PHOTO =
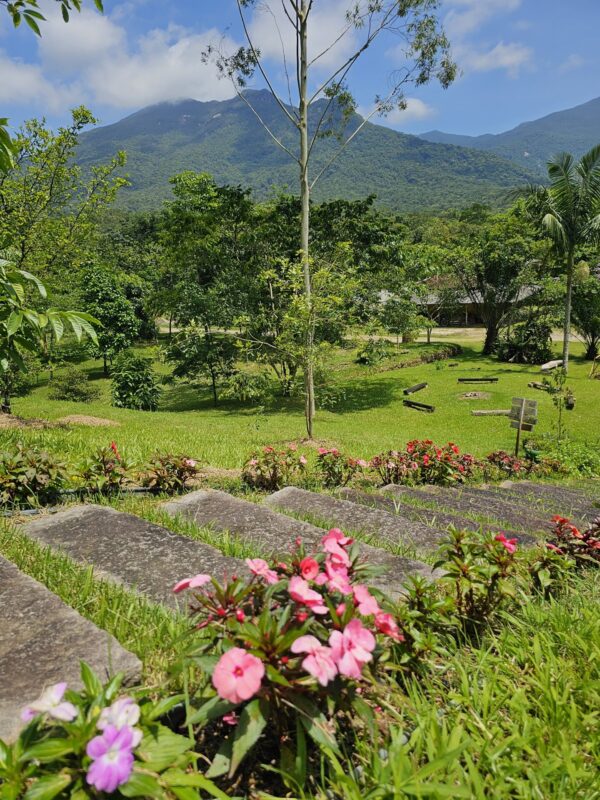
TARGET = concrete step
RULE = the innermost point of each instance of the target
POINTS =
(128, 550)
(42, 642)
(560, 499)
(275, 533)
(446, 499)
(390, 527)
(439, 519)
(512, 502)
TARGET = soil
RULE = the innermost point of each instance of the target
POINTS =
(90, 422)
(475, 396)
(9, 421)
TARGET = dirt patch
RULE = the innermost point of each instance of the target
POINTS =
(90, 422)
(475, 396)
(10, 421)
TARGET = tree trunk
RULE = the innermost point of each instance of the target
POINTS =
(213, 381)
(105, 365)
(6, 407)
(567, 328)
(305, 216)
(591, 351)
(428, 335)
(491, 338)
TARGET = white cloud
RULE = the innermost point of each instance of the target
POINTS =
(25, 84)
(468, 16)
(572, 62)
(415, 110)
(510, 57)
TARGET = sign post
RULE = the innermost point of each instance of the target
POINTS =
(523, 416)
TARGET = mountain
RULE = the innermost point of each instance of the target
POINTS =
(531, 144)
(225, 139)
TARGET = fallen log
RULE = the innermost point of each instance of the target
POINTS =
(478, 380)
(416, 388)
(497, 412)
(419, 406)
(543, 387)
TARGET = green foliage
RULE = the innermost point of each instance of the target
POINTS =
(30, 477)
(73, 384)
(169, 473)
(335, 469)
(134, 383)
(423, 461)
(374, 352)
(271, 469)
(105, 471)
(586, 313)
(196, 352)
(7, 148)
(247, 388)
(527, 342)
(28, 11)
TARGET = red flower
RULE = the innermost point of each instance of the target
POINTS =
(508, 544)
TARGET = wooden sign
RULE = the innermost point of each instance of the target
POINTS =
(523, 416)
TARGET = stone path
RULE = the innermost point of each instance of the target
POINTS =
(533, 513)
(351, 517)
(560, 499)
(453, 500)
(42, 641)
(440, 519)
(128, 550)
(276, 533)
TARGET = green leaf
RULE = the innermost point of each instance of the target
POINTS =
(315, 723)
(221, 761)
(32, 24)
(48, 751)
(163, 707)
(212, 709)
(141, 784)
(14, 322)
(90, 681)
(48, 787)
(160, 748)
(253, 720)
(178, 778)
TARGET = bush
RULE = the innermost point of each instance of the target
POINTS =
(271, 469)
(374, 352)
(247, 388)
(61, 751)
(168, 473)
(424, 462)
(105, 471)
(30, 477)
(73, 384)
(574, 457)
(336, 469)
(528, 343)
(134, 384)
(509, 465)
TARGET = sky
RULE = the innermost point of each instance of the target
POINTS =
(518, 60)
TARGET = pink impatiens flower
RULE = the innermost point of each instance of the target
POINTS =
(123, 713)
(338, 579)
(319, 661)
(260, 568)
(112, 758)
(301, 592)
(238, 675)
(509, 544)
(191, 583)
(309, 568)
(352, 648)
(51, 702)
(385, 623)
(365, 601)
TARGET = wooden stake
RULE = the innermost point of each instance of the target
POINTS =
(521, 415)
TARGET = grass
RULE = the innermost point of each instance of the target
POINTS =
(370, 418)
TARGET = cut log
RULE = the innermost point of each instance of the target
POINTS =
(550, 365)
(477, 380)
(416, 388)
(495, 412)
(419, 406)
(537, 385)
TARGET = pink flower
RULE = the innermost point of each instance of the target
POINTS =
(333, 543)
(322, 451)
(319, 662)
(301, 592)
(189, 462)
(338, 579)
(554, 548)
(509, 544)
(309, 569)
(231, 718)
(341, 609)
(362, 463)
(303, 460)
(112, 759)
(191, 583)
(352, 648)
(123, 713)
(259, 567)
(253, 462)
(365, 601)
(238, 675)
(385, 623)
(51, 702)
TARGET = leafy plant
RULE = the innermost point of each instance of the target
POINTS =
(169, 473)
(73, 384)
(134, 383)
(425, 462)
(105, 471)
(30, 477)
(270, 469)
(336, 469)
(247, 388)
(582, 547)
(99, 741)
(374, 352)
(528, 342)
(508, 464)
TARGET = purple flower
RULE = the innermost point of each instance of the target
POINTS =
(123, 713)
(51, 702)
(112, 758)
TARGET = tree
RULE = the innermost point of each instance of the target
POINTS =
(586, 313)
(197, 352)
(400, 316)
(426, 56)
(103, 297)
(22, 328)
(569, 212)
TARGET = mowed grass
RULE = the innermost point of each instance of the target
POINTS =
(369, 418)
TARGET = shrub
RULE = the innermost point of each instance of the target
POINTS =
(247, 388)
(528, 343)
(575, 457)
(336, 469)
(61, 751)
(285, 649)
(374, 352)
(134, 383)
(105, 471)
(30, 477)
(271, 469)
(567, 540)
(169, 473)
(509, 465)
(73, 384)
(424, 462)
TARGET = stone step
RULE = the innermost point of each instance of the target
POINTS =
(545, 505)
(560, 498)
(513, 503)
(390, 527)
(128, 550)
(452, 500)
(42, 642)
(439, 519)
(276, 533)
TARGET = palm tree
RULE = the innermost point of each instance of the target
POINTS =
(569, 209)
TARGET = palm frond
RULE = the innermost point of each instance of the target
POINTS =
(556, 230)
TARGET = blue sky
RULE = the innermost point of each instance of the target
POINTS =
(520, 59)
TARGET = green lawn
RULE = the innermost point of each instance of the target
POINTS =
(370, 418)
